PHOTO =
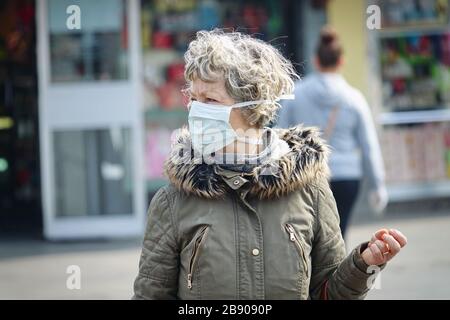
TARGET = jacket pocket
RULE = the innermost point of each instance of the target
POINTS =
(198, 243)
(295, 238)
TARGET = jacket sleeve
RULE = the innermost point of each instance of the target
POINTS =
(159, 261)
(335, 275)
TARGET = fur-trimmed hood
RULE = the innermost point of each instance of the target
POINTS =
(305, 163)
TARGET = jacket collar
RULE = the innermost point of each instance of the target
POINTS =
(303, 164)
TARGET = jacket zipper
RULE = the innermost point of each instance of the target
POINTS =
(298, 244)
(195, 253)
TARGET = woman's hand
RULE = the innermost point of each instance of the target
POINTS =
(383, 246)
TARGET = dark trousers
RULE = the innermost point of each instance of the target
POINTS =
(345, 192)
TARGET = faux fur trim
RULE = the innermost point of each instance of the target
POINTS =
(305, 163)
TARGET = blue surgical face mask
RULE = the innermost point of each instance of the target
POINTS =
(209, 126)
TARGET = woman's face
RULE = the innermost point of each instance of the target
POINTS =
(215, 93)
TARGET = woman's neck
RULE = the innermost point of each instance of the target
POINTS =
(245, 144)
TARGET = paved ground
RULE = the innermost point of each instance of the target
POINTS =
(37, 270)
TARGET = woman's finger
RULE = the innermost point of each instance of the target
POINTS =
(384, 248)
(400, 237)
(394, 246)
(379, 234)
(376, 253)
(373, 239)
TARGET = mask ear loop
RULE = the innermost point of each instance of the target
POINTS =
(188, 105)
(286, 97)
(253, 104)
(248, 103)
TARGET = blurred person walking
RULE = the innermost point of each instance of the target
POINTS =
(324, 99)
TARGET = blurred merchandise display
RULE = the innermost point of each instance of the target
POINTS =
(400, 13)
(416, 153)
(156, 152)
(416, 72)
(167, 28)
(447, 151)
(414, 56)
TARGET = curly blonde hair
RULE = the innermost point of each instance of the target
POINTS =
(251, 68)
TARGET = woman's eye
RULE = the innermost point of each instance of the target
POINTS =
(211, 100)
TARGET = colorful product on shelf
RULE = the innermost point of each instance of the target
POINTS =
(414, 12)
(156, 151)
(448, 162)
(162, 40)
(445, 53)
(170, 93)
(447, 150)
(442, 76)
(434, 150)
(164, 6)
(415, 72)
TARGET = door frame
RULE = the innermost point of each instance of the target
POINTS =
(51, 119)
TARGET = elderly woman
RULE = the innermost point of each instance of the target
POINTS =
(249, 213)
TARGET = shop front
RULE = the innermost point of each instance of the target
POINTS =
(413, 70)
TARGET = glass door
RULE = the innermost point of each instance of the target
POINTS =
(90, 119)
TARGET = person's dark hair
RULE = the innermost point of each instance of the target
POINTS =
(329, 49)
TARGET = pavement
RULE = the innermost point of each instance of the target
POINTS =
(422, 269)
(38, 269)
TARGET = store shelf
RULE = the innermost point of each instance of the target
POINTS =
(418, 191)
(394, 32)
(404, 117)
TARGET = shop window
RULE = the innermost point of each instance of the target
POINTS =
(93, 172)
(95, 52)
